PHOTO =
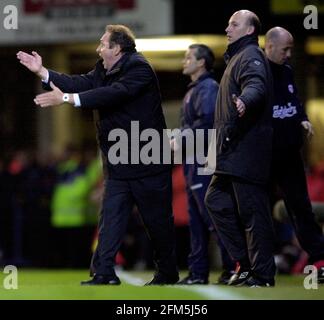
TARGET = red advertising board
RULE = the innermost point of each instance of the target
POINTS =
(37, 6)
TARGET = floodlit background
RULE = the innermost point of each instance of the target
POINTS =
(38, 146)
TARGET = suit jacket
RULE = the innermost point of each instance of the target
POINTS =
(126, 101)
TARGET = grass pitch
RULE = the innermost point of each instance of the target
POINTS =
(65, 285)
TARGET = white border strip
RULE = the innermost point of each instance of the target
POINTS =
(210, 292)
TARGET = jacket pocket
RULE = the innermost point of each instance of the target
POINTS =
(227, 137)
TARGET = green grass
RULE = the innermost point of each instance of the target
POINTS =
(65, 285)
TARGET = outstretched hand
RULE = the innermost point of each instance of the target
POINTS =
(31, 61)
(52, 98)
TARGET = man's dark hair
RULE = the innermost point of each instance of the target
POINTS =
(204, 52)
(254, 21)
(122, 36)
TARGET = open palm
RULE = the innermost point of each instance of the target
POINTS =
(31, 61)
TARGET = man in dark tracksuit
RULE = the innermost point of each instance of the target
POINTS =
(237, 197)
(197, 112)
(289, 121)
(124, 91)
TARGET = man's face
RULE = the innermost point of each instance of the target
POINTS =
(190, 63)
(238, 27)
(279, 50)
(105, 52)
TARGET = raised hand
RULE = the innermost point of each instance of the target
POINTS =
(31, 61)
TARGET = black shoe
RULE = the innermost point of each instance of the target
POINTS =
(239, 277)
(253, 282)
(101, 280)
(320, 270)
(191, 279)
(225, 277)
(160, 279)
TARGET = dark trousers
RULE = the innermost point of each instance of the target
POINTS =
(241, 213)
(201, 226)
(153, 197)
(289, 174)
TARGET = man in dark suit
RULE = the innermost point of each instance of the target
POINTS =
(124, 92)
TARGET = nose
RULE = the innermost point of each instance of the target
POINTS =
(288, 54)
(227, 29)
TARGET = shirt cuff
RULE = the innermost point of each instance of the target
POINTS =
(77, 102)
(45, 80)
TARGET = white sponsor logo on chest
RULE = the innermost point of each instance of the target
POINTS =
(281, 112)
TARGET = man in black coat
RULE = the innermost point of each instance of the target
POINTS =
(237, 197)
(289, 121)
(124, 92)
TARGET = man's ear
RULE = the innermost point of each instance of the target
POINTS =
(117, 49)
(201, 62)
(269, 45)
(250, 30)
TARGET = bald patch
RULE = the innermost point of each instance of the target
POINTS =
(246, 13)
(277, 34)
(278, 45)
(250, 19)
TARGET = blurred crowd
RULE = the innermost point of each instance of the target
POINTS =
(47, 214)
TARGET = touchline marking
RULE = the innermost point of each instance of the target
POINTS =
(213, 293)
(209, 292)
(135, 281)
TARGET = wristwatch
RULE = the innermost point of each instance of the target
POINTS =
(65, 97)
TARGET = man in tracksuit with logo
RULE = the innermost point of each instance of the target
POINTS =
(289, 122)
